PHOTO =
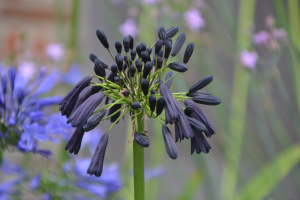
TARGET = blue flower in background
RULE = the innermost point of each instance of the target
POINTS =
(24, 122)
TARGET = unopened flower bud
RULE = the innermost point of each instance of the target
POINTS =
(149, 50)
(94, 120)
(162, 34)
(178, 67)
(168, 48)
(152, 102)
(158, 46)
(139, 66)
(159, 62)
(143, 45)
(133, 54)
(130, 42)
(126, 42)
(114, 69)
(93, 57)
(188, 52)
(195, 124)
(171, 32)
(152, 91)
(169, 143)
(141, 140)
(125, 93)
(136, 105)
(160, 105)
(119, 61)
(145, 86)
(118, 46)
(160, 54)
(189, 110)
(132, 70)
(201, 84)
(99, 68)
(178, 44)
(102, 37)
(147, 69)
(139, 50)
(145, 56)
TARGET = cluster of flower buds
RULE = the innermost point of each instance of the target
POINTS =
(135, 85)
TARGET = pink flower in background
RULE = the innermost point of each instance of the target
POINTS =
(194, 20)
(55, 51)
(248, 59)
(129, 28)
(149, 2)
(262, 37)
(279, 34)
(27, 69)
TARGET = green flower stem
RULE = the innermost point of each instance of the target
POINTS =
(116, 102)
(138, 161)
(111, 55)
(163, 68)
(118, 120)
(108, 105)
(113, 114)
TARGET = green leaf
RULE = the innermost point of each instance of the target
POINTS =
(271, 174)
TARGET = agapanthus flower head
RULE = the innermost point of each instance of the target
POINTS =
(136, 87)
(23, 120)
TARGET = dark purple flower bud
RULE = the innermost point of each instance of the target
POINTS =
(93, 57)
(126, 60)
(172, 106)
(145, 56)
(169, 143)
(168, 48)
(114, 69)
(147, 69)
(139, 50)
(84, 111)
(95, 89)
(196, 125)
(152, 91)
(158, 46)
(149, 50)
(171, 32)
(99, 68)
(188, 52)
(112, 110)
(162, 34)
(160, 105)
(136, 105)
(169, 75)
(188, 111)
(145, 86)
(118, 46)
(74, 143)
(139, 66)
(199, 115)
(110, 77)
(141, 139)
(125, 93)
(159, 62)
(199, 143)
(133, 54)
(94, 120)
(12, 76)
(132, 70)
(170, 40)
(178, 44)
(130, 42)
(106, 100)
(183, 128)
(126, 42)
(143, 45)
(198, 93)
(68, 103)
(102, 37)
(160, 54)
(124, 66)
(178, 67)
(119, 61)
(4, 83)
(96, 165)
(207, 100)
(201, 84)
(116, 79)
(84, 94)
(152, 102)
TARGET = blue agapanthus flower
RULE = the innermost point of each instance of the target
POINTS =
(24, 122)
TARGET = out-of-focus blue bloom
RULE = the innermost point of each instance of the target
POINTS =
(22, 114)
(109, 182)
(35, 182)
(154, 172)
(72, 76)
(46, 196)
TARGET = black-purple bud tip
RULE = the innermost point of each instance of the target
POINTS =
(126, 42)
(118, 46)
(152, 102)
(136, 105)
(178, 44)
(178, 67)
(162, 34)
(114, 69)
(158, 46)
(130, 42)
(201, 84)
(189, 110)
(145, 86)
(133, 54)
(149, 50)
(102, 37)
(188, 52)
(132, 70)
(160, 105)
(141, 139)
(169, 143)
(143, 45)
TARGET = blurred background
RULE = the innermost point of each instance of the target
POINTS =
(251, 47)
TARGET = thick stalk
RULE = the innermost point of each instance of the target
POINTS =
(138, 162)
